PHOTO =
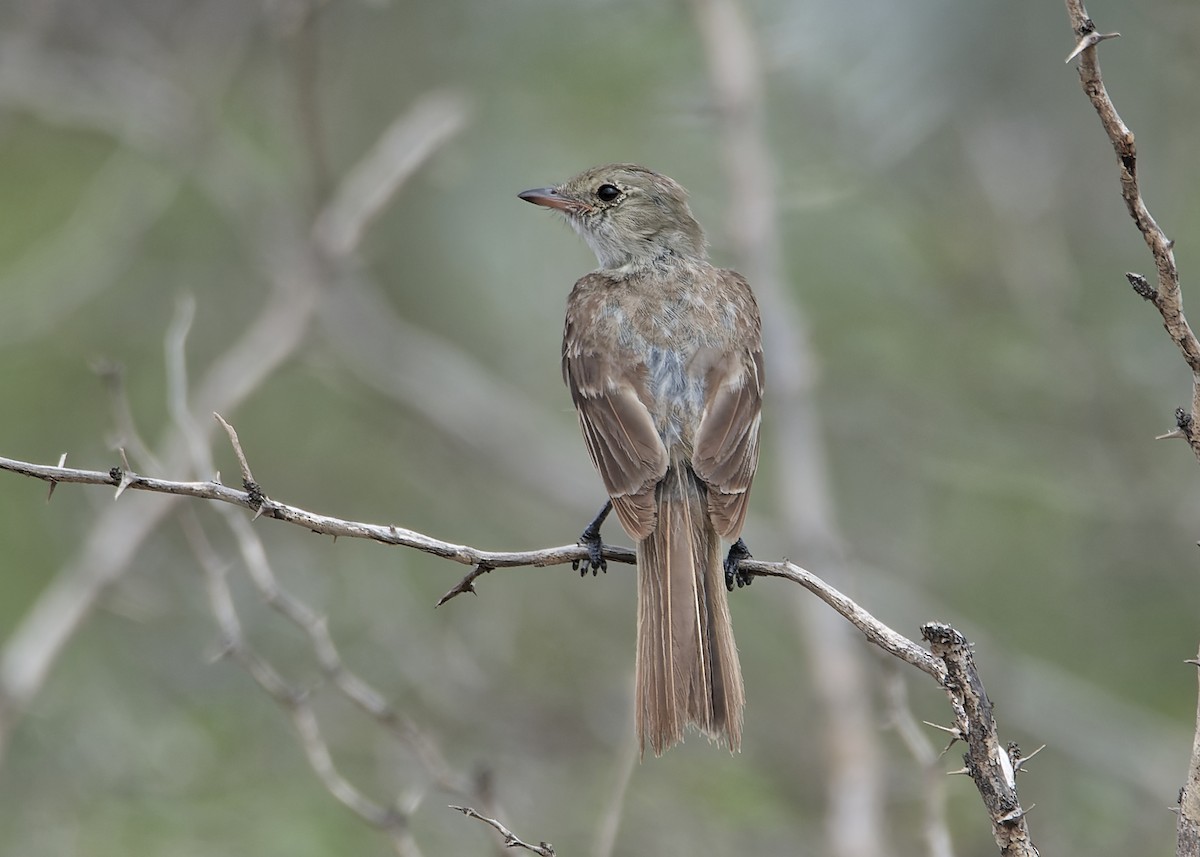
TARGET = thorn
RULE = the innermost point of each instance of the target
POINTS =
(127, 476)
(1193, 662)
(62, 462)
(953, 730)
(1172, 435)
(1019, 761)
(1016, 815)
(458, 590)
(960, 772)
(1090, 41)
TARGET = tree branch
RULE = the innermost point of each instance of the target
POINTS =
(950, 662)
(264, 506)
(1166, 296)
(1168, 300)
(990, 765)
(876, 632)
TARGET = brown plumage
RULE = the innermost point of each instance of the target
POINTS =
(663, 358)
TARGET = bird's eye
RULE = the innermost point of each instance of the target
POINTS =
(607, 192)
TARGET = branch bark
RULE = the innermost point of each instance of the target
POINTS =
(1165, 296)
(949, 663)
(990, 765)
(1168, 300)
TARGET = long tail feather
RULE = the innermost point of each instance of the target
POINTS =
(687, 663)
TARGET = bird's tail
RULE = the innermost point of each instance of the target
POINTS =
(687, 662)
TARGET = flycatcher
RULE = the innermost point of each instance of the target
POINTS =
(662, 353)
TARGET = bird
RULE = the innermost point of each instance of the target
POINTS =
(662, 354)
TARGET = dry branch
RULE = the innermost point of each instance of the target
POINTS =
(987, 762)
(950, 662)
(255, 500)
(1165, 295)
(1168, 300)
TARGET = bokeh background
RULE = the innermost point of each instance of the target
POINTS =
(979, 416)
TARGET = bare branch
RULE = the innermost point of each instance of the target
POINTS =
(987, 762)
(1168, 300)
(271, 338)
(322, 524)
(855, 822)
(294, 700)
(370, 186)
(1188, 827)
(610, 820)
(875, 631)
(1166, 297)
(933, 821)
(545, 849)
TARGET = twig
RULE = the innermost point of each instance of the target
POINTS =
(986, 761)
(322, 524)
(258, 567)
(1188, 827)
(933, 821)
(368, 188)
(1166, 296)
(875, 631)
(292, 699)
(1168, 300)
(545, 849)
(610, 820)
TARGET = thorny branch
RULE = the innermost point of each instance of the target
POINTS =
(987, 763)
(392, 820)
(1165, 296)
(1167, 299)
(265, 507)
(949, 663)
(480, 560)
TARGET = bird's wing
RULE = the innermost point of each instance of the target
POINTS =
(725, 453)
(617, 427)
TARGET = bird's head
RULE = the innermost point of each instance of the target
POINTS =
(630, 216)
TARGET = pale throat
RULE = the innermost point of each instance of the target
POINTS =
(627, 254)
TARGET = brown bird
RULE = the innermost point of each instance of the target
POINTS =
(663, 356)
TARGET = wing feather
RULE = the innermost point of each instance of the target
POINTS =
(726, 446)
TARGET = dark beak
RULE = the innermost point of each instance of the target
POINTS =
(548, 197)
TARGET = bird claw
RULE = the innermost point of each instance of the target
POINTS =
(590, 538)
(595, 562)
(733, 573)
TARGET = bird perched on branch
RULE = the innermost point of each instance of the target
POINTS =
(663, 356)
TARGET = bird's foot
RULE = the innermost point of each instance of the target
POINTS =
(733, 573)
(590, 538)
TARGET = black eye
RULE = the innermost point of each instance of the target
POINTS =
(608, 192)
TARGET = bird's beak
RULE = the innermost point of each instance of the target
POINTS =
(548, 197)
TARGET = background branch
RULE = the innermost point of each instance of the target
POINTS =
(854, 821)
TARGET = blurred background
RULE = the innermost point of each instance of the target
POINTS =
(963, 396)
